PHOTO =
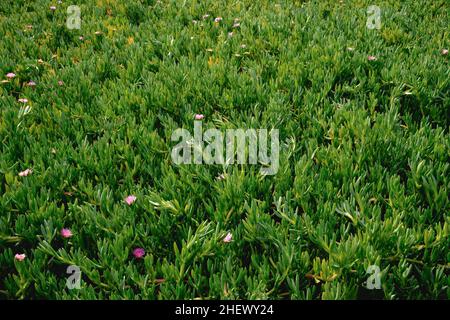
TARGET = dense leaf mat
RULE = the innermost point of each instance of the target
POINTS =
(364, 160)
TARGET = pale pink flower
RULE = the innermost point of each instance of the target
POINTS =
(31, 83)
(199, 116)
(221, 177)
(371, 58)
(139, 253)
(444, 52)
(10, 75)
(60, 82)
(218, 19)
(25, 173)
(23, 100)
(130, 199)
(20, 257)
(81, 38)
(53, 8)
(66, 233)
(228, 238)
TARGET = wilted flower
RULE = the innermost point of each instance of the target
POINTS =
(130, 199)
(371, 58)
(20, 257)
(66, 233)
(29, 26)
(228, 237)
(139, 253)
(199, 116)
(10, 75)
(25, 173)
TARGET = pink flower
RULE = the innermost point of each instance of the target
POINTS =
(218, 19)
(444, 52)
(25, 173)
(130, 199)
(199, 116)
(228, 238)
(60, 82)
(31, 83)
(139, 253)
(23, 100)
(221, 177)
(66, 233)
(371, 58)
(10, 75)
(20, 257)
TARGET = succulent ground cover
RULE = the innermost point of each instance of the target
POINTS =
(86, 177)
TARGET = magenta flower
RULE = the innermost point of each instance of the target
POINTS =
(371, 58)
(25, 173)
(228, 238)
(66, 233)
(444, 52)
(130, 199)
(10, 75)
(20, 257)
(23, 100)
(199, 116)
(139, 253)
